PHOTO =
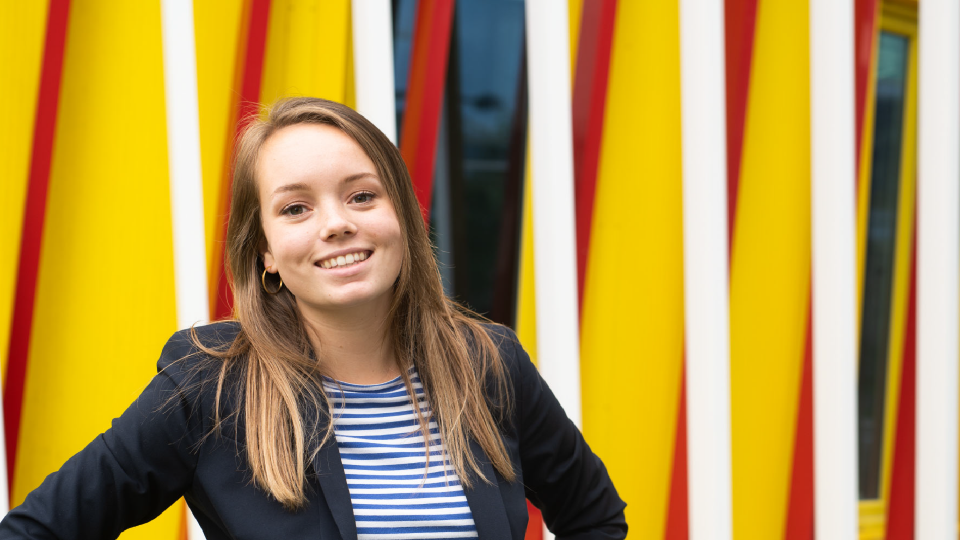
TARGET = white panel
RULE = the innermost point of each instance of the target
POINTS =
(186, 186)
(938, 238)
(833, 183)
(706, 269)
(554, 240)
(373, 64)
(554, 225)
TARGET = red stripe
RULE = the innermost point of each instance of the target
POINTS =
(248, 79)
(678, 519)
(740, 18)
(865, 12)
(800, 516)
(33, 219)
(589, 103)
(900, 507)
(428, 73)
(535, 524)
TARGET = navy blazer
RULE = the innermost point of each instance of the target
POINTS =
(157, 452)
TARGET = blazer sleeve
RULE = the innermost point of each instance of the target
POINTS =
(129, 474)
(561, 475)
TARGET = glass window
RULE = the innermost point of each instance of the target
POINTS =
(881, 240)
(478, 179)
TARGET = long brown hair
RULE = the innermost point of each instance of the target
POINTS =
(275, 375)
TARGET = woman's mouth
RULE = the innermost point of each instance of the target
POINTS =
(342, 261)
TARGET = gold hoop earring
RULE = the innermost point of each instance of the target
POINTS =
(263, 281)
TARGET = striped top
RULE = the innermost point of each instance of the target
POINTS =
(383, 456)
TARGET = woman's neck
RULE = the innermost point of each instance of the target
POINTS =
(354, 345)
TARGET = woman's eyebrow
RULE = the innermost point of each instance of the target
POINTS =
(286, 188)
(358, 176)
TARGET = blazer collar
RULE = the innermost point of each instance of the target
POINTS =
(333, 483)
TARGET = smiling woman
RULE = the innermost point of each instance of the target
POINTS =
(349, 397)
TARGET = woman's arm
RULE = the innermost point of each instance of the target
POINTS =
(562, 476)
(127, 475)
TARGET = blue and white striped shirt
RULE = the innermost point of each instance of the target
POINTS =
(383, 456)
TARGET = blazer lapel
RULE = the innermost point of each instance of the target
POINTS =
(485, 501)
(333, 482)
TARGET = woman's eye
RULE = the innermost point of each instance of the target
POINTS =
(294, 210)
(363, 197)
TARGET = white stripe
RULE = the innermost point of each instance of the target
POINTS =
(938, 172)
(833, 176)
(373, 64)
(183, 141)
(551, 157)
(186, 186)
(706, 268)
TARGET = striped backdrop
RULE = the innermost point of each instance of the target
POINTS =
(693, 238)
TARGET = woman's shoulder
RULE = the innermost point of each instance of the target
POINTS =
(214, 336)
(186, 357)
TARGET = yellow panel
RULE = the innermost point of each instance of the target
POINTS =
(22, 31)
(526, 291)
(306, 49)
(217, 27)
(105, 298)
(575, 8)
(770, 274)
(632, 326)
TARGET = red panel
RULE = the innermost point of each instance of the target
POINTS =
(33, 219)
(252, 47)
(678, 520)
(535, 525)
(800, 517)
(428, 73)
(865, 14)
(740, 23)
(589, 102)
(900, 509)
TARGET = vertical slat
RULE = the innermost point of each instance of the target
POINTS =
(183, 142)
(186, 182)
(425, 90)
(373, 64)
(706, 278)
(551, 160)
(833, 205)
(938, 171)
(32, 232)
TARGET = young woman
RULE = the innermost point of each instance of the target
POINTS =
(350, 398)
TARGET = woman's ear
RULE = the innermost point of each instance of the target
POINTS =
(268, 262)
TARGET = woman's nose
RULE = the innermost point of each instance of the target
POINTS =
(335, 222)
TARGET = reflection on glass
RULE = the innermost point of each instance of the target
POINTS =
(487, 115)
(881, 243)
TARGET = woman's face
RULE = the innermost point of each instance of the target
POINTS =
(331, 232)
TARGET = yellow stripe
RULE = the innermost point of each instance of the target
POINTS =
(770, 275)
(307, 49)
(105, 294)
(22, 31)
(575, 9)
(217, 26)
(632, 325)
(526, 291)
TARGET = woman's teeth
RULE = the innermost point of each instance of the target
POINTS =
(344, 260)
